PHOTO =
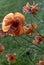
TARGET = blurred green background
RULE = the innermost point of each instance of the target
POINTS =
(24, 43)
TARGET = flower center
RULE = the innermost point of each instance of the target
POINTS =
(12, 58)
(15, 24)
(30, 8)
(40, 39)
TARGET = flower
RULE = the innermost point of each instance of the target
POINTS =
(2, 48)
(31, 29)
(38, 38)
(33, 9)
(13, 24)
(11, 58)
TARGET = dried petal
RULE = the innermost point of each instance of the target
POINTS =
(2, 48)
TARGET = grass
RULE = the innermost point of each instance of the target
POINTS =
(22, 44)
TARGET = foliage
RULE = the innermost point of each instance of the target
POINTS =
(24, 43)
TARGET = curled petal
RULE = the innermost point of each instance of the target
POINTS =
(7, 22)
(20, 17)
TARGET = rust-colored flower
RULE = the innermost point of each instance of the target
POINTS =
(31, 29)
(11, 58)
(33, 9)
(38, 39)
(2, 48)
(2, 34)
(13, 24)
(40, 63)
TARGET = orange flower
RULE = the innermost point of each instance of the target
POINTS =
(40, 63)
(2, 48)
(11, 58)
(13, 24)
(2, 34)
(33, 9)
(31, 29)
(38, 39)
